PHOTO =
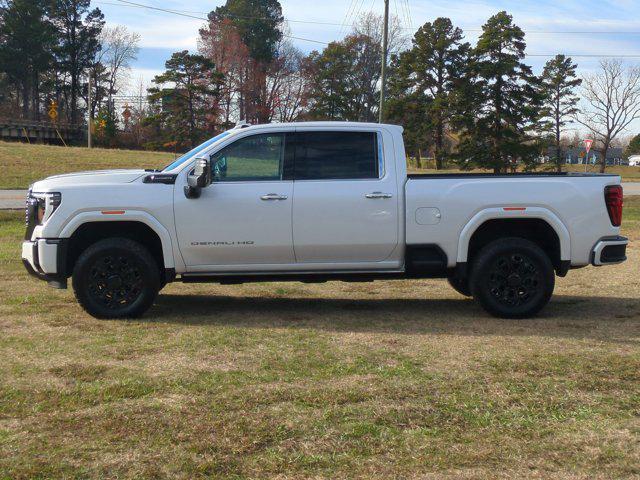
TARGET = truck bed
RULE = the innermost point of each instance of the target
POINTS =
(444, 210)
(418, 176)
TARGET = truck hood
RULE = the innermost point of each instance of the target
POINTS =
(97, 177)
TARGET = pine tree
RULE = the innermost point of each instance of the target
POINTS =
(408, 107)
(634, 146)
(78, 32)
(498, 106)
(560, 101)
(344, 78)
(27, 39)
(183, 107)
(434, 65)
(258, 24)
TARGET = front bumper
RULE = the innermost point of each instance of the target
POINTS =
(609, 251)
(46, 259)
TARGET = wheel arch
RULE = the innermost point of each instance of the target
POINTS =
(537, 224)
(88, 227)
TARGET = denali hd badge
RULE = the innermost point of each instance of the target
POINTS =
(221, 244)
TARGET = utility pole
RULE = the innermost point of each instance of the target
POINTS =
(89, 111)
(383, 73)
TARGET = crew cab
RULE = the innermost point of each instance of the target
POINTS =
(314, 202)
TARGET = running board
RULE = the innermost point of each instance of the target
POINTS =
(231, 278)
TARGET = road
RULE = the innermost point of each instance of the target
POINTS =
(14, 199)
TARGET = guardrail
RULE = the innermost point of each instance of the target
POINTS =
(32, 130)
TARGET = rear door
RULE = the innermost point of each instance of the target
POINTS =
(345, 209)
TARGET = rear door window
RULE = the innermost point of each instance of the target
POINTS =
(336, 155)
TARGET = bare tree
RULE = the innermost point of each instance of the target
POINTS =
(611, 103)
(286, 84)
(119, 49)
(371, 25)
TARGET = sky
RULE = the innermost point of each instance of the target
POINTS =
(551, 27)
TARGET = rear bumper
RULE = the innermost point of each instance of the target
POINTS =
(46, 260)
(609, 251)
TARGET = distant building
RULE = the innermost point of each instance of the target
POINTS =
(576, 156)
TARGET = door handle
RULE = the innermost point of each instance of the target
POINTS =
(273, 196)
(378, 195)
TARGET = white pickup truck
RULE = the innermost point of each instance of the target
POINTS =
(313, 202)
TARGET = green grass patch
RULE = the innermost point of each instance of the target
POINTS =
(23, 163)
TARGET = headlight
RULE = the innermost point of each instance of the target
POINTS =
(47, 203)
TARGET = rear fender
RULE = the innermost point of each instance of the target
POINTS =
(503, 213)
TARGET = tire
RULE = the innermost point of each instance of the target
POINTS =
(512, 278)
(460, 286)
(116, 278)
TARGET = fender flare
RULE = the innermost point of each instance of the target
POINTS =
(128, 216)
(500, 213)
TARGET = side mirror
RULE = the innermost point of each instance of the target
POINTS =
(200, 178)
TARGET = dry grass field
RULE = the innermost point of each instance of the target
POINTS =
(398, 379)
(23, 164)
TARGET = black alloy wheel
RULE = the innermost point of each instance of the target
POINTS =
(512, 278)
(116, 278)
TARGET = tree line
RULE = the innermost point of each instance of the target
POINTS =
(478, 106)
(48, 52)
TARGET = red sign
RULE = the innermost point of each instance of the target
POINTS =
(587, 144)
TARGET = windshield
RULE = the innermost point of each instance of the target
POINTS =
(193, 152)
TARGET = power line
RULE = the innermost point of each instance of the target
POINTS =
(192, 14)
(578, 55)
(357, 2)
(347, 15)
(176, 12)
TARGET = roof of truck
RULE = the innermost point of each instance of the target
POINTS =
(319, 125)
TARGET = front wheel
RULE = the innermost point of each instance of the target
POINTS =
(116, 278)
(512, 278)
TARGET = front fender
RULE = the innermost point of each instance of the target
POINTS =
(124, 216)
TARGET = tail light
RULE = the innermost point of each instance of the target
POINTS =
(614, 199)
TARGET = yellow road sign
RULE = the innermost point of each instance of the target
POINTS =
(53, 110)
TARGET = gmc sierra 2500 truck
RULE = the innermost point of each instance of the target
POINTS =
(313, 202)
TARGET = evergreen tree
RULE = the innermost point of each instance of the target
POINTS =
(434, 65)
(343, 80)
(27, 39)
(634, 146)
(560, 101)
(408, 107)
(78, 32)
(183, 107)
(258, 22)
(498, 106)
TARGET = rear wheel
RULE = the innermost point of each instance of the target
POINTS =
(512, 278)
(116, 278)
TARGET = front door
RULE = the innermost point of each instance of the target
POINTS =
(244, 217)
